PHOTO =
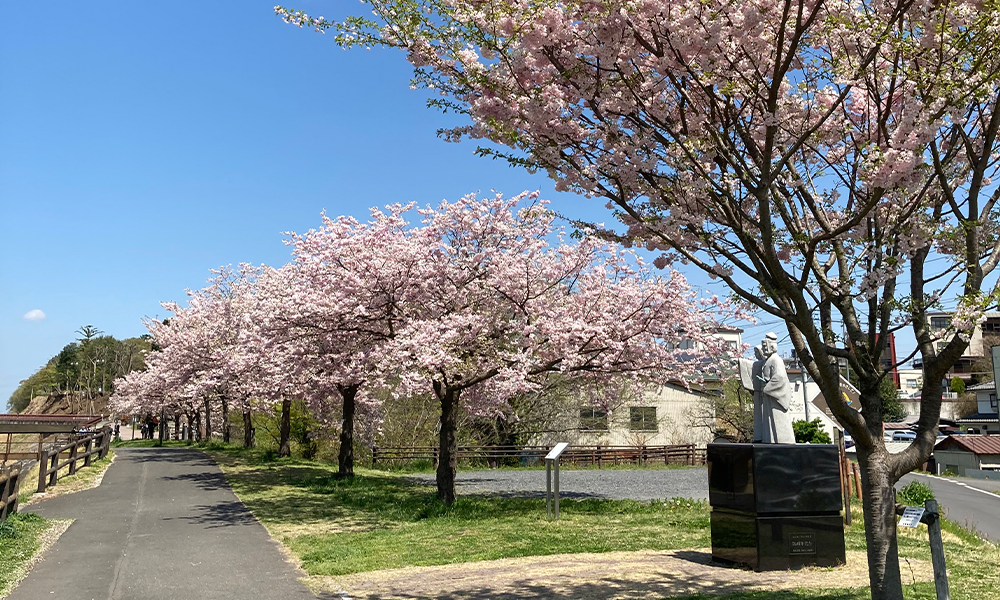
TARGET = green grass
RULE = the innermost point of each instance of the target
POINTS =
(17, 549)
(379, 520)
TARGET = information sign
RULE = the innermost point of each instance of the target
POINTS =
(911, 516)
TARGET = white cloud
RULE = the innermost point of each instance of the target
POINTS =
(34, 315)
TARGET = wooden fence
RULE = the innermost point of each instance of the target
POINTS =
(10, 485)
(597, 455)
(82, 449)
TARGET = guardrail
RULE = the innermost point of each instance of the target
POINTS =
(596, 455)
(10, 485)
(49, 461)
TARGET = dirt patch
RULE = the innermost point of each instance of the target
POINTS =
(611, 575)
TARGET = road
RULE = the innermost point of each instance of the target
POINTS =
(968, 502)
(164, 524)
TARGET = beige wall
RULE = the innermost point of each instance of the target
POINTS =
(949, 410)
(674, 408)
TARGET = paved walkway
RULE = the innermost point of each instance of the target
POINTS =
(163, 525)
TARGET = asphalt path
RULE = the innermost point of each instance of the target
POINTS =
(968, 502)
(163, 524)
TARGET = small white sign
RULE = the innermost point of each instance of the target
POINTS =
(556, 451)
(911, 516)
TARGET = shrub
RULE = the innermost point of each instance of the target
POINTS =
(915, 493)
(810, 432)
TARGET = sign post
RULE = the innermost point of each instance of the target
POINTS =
(552, 491)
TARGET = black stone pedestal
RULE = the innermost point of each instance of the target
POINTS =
(776, 506)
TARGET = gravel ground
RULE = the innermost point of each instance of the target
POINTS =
(635, 484)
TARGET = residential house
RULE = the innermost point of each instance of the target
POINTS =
(969, 456)
(964, 367)
(986, 419)
(663, 415)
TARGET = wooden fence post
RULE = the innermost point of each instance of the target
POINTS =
(374, 456)
(937, 550)
(72, 457)
(857, 479)
(43, 462)
(54, 468)
(87, 448)
(17, 489)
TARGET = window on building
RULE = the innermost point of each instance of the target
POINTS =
(940, 322)
(592, 419)
(912, 383)
(939, 346)
(993, 401)
(642, 418)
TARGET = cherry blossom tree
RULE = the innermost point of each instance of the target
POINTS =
(346, 293)
(832, 161)
(505, 300)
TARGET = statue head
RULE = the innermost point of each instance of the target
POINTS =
(758, 352)
(770, 344)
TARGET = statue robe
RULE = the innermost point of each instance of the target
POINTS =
(750, 376)
(776, 395)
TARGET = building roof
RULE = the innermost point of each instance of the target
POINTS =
(980, 417)
(986, 386)
(976, 444)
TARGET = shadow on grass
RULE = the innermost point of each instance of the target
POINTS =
(691, 585)
(668, 585)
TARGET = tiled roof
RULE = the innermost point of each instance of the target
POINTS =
(986, 386)
(979, 417)
(976, 444)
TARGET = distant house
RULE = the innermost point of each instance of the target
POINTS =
(987, 418)
(663, 415)
(969, 455)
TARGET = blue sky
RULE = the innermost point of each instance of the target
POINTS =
(142, 144)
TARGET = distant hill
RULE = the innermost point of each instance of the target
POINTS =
(66, 404)
(82, 374)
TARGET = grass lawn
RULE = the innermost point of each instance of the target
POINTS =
(20, 537)
(379, 520)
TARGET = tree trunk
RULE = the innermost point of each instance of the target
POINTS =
(197, 425)
(208, 420)
(448, 442)
(247, 430)
(877, 484)
(285, 429)
(190, 431)
(177, 426)
(346, 458)
(225, 420)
